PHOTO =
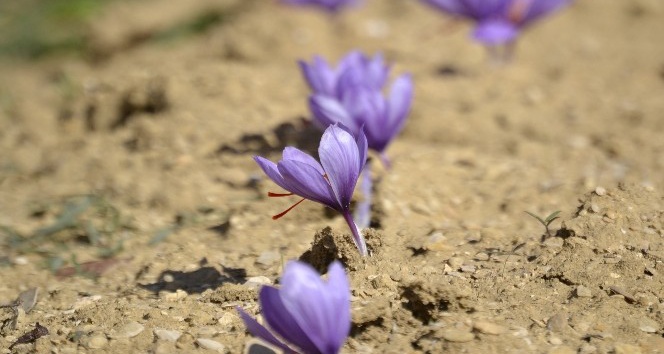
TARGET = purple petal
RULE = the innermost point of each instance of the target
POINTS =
(377, 72)
(338, 291)
(305, 181)
(257, 330)
(295, 154)
(362, 146)
(495, 32)
(340, 157)
(329, 5)
(319, 75)
(371, 108)
(473, 9)
(350, 60)
(317, 306)
(401, 97)
(282, 320)
(270, 169)
(328, 111)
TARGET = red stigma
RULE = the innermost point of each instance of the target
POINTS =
(276, 195)
(275, 217)
(518, 11)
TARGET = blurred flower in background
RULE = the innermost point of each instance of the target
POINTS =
(332, 6)
(352, 94)
(306, 315)
(498, 22)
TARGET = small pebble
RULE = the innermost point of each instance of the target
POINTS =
(554, 340)
(20, 260)
(587, 349)
(96, 341)
(129, 330)
(167, 335)
(211, 345)
(554, 242)
(481, 257)
(85, 302)
(455, 262)
(561, 350)
(28, 299)
(620, 291)
(257, 282)
(468, 268)
(268, 258)
(207, 331)
(582, 291)
(179, 294)
(600, 191)
(648, 325)
(488, 328)
(437, 242)
(557, 322)
(595, 208)
(227, 319)
(457, 335)
(622, 348)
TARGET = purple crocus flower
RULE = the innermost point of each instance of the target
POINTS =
(331, 182)
(306, 314)
(355, 68)
(363, 108)
(332, 6)
(498, 22)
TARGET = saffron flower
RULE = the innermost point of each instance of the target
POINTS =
(498, 22)
(353, 69)
(361, 107)
(307, 314)
(332, 6)
(330, 182)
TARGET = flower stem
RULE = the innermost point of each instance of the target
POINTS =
(357, 235)
(385, 160)
(363, 210)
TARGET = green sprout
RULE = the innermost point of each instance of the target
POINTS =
(546, 221)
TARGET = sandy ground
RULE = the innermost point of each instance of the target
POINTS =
(129, 198)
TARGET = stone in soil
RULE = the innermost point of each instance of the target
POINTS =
(211, 345)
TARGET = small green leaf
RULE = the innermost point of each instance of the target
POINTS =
(551, 217)
(536, 217)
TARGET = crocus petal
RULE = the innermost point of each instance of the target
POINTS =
(495, 32)
(270, 169)
(283, 321)
(340, 157)
(352, 59)
(338, 291)
(360, 70)
(292, 153)
(307, 182)
(473, 9)
(351, 77)
(452, 7)
(372, 110)
(319, 75)
(261, 332)
(328, 111)
(362, 146)
(377, 71)
(313, 305)
(401, 97)
(329, 5)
